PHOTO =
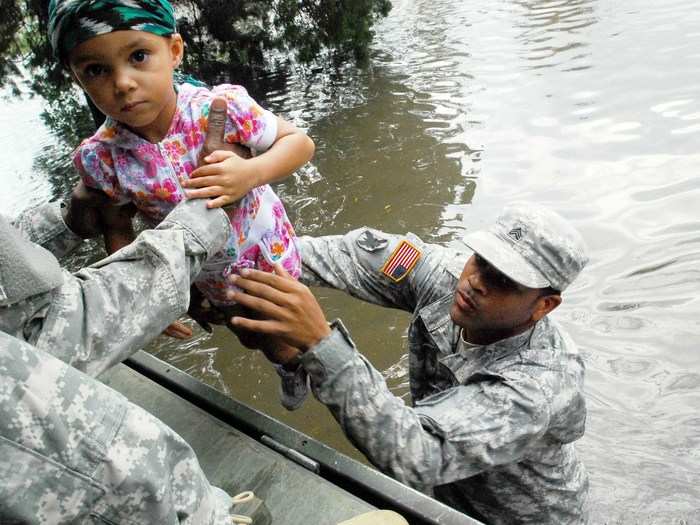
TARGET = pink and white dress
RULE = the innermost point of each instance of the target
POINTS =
(128, 168)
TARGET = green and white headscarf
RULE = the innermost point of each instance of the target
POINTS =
(72, 22)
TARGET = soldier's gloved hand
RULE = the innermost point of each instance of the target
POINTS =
(82, 211)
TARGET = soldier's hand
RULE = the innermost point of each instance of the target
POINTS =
(216, 128)
(203, 312)
(288, 309)
(82, 212)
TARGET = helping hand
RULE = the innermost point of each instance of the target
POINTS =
(206, 183)
(227, 177)
(82, 213)
(216, 129)
(203, 312)
(290, 310)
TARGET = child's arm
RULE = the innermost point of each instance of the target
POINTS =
(229, 177)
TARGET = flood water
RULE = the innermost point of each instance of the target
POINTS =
(590, 107)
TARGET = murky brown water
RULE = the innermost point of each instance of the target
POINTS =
(590, 107)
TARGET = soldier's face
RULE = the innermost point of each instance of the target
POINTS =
(489, 306)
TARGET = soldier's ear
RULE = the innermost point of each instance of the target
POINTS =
(544, 305)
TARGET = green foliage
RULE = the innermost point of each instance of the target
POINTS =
(345, 26)
(232, 36)
(226, 40)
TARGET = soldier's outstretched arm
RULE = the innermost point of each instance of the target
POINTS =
(45, 226)
(452, 435)
(59, 227)
(105, 312)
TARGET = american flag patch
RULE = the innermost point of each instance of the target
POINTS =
(402, 261)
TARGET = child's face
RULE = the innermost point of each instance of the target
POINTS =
(129, 76)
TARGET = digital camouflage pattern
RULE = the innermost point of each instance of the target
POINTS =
(492, 428)
(72, 22)
(26, 268)
(75, 451)
(532, 245)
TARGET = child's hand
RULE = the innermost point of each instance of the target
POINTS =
(178, 330)
(227, 177)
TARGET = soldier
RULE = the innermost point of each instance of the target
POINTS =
(497, 386)
(73, 449)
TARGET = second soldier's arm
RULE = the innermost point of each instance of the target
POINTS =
(105, 312)
(354, 262)
(460, 432)
(45, 226)
(452, 435)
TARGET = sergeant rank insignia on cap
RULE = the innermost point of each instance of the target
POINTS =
(401, 261)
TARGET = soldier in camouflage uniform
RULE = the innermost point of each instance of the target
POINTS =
(497, 386)
(74, 450)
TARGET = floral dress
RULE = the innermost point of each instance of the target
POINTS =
(128, 168)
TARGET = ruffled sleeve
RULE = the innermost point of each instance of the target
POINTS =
(247, 123)
(95, 164)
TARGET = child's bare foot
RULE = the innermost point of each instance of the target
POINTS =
(178, 330)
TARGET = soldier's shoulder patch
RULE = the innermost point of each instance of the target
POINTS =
(372, 240)
(401, 261)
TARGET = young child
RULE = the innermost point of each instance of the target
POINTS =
(123, 53)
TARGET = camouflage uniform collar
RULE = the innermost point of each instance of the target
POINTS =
(514, 342)
(464, 363)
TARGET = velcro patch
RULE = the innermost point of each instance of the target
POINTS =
(401, 261)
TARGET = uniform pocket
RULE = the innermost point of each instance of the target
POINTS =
(37, 489)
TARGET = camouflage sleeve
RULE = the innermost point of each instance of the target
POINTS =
(75, 451)
(449, 436)
(45, 226)
(111, 309)
(354, 263)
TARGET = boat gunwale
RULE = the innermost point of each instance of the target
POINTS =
(356, 478)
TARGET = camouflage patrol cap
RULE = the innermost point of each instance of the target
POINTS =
(532, 245)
